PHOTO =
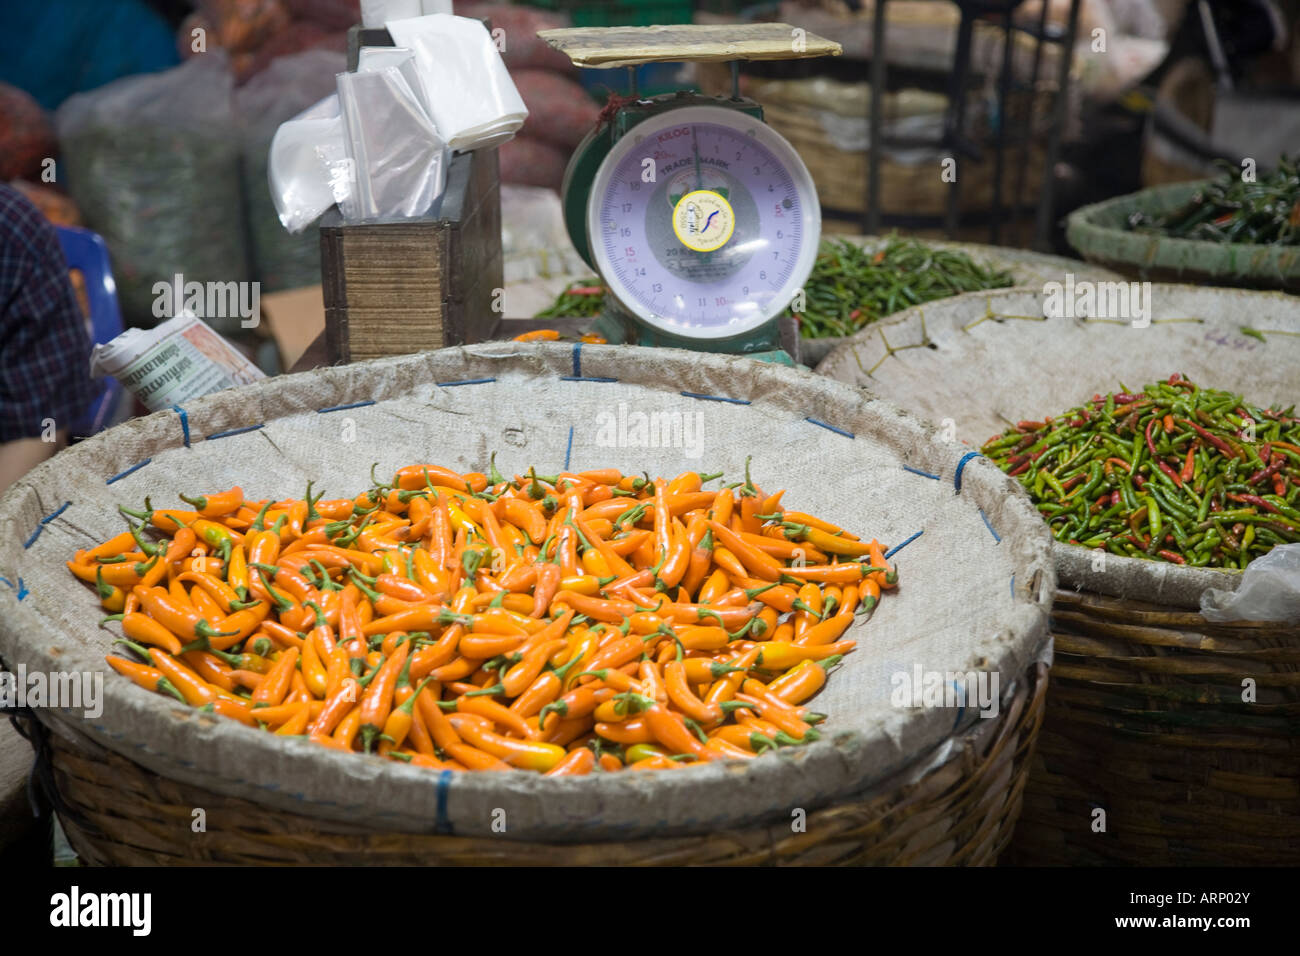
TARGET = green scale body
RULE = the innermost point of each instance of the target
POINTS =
(619, 325)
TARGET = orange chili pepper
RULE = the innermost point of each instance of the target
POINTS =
(579, 762)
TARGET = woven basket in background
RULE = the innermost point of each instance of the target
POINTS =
(1145, 718)
(1099, 233)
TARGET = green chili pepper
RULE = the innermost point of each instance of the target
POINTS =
(1203, 464)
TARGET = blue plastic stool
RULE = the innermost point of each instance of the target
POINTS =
(87, 252)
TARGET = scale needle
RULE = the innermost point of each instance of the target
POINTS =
(699, 173)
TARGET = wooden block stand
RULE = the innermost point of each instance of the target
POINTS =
(392, 288)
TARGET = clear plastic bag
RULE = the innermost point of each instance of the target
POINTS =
(153, 163)
(375, 13)
(1269, 590)
(280, 260)
(308, 168)
(371, 58)
(474, 100)
(397, 155)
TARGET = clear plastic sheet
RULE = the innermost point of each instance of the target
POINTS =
(474, 100)
(397, 155)
(375, 13)
(308, 169)
(1269, 590)
(372, 58)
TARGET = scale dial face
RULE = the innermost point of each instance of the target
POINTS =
(704, 222)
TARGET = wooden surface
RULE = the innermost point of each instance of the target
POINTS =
(629, 46)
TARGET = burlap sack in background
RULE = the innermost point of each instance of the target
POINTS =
(975, 571)
(985, 360)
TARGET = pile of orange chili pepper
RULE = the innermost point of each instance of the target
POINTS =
(560, 624)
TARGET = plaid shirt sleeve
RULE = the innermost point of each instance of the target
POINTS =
(44, 345)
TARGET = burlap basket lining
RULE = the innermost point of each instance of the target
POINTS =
(931, 357)
(863, 464)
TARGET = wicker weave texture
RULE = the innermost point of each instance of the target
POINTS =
(1099, 233)
(961, 812)
(1146, 721)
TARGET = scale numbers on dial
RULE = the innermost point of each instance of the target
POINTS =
(722, 238)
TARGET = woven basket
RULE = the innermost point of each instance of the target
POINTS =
(961, 813)
(1099, 233)
(886, 783)
(1145, 716)
(1145, 720)
(913, 190)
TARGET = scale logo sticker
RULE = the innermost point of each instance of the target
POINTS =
(703, 220)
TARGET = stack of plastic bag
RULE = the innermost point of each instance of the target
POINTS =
(474, 100)
(398, 158)
(380, 146)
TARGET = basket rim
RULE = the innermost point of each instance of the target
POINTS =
(225, 749)
(913, 790)
(1073, 562)
(1213, 260)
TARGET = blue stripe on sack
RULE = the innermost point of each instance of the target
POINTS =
(568, 452)
(717, 398)
(36, 532)
(185, 423)
(586, 378)
(577, 360)
(899, 547)
(918, 471)
(828, 427)
(442, 824)
(341, 408)
(989, 524)
(961, 466)
(54, 514)
(122, 474)
(22, 590)
(465, 381)
(235, 431)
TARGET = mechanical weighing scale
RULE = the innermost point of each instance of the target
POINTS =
(701, 220)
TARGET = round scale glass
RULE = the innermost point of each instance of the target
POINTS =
(704, 222)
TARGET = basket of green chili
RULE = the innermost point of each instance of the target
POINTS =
(1227, 231)
(1162, 449)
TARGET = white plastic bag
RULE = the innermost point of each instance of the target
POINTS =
(309, 169)
(375, 13)
(397, 155)
(473, 100)
(1269, 590)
